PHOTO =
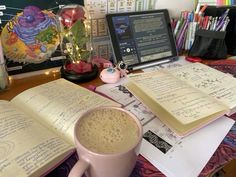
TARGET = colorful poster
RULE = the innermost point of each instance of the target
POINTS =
(29, 34)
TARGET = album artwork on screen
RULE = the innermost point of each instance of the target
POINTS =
(29, 34)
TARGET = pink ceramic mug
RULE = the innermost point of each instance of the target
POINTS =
(113, 161)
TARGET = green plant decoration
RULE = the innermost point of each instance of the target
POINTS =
(75, 40)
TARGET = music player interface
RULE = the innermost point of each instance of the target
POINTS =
(142, 38)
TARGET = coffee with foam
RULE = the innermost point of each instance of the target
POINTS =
(108, 131)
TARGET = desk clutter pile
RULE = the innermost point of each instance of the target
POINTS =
(192, 30)
(144, 168)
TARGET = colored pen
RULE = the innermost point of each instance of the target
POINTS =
(206, 19)
(225, 25)
(214, 25)
(203, 9)
(198, 8)
(209, 23)
(176, 27)
(222, 17)
(221, 24)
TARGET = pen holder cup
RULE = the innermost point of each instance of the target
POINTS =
(209, 45)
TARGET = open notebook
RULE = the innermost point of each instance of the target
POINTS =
(142, 39)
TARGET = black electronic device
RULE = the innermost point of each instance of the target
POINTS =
(142, 39)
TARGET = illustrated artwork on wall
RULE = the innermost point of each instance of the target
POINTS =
(31, 36)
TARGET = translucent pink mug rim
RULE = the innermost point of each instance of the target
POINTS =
(77, 142)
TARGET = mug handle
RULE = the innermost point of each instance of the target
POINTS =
(79, 168)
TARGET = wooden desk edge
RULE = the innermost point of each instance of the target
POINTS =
(18, 85)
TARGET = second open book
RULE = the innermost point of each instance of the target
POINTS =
(186, 98)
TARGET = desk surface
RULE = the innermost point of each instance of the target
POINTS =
(143, 167)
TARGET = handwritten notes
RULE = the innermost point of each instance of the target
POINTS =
(185, 103)
(25, 145)
(215, 83)
(59, 104)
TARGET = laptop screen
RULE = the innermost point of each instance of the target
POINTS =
(143, 38)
